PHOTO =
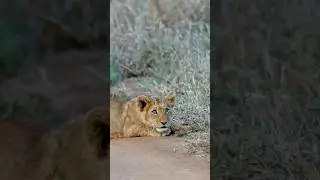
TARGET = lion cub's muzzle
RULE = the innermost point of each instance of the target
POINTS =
(164, 130)
(164, 125)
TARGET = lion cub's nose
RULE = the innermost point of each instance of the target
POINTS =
(163, 123)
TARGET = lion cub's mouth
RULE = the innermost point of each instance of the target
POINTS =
(162, 127)
(164, 130)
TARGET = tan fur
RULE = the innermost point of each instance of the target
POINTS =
(136, 117)
(76, 151)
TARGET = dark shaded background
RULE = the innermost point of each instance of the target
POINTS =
(53, 59)
(266, 74)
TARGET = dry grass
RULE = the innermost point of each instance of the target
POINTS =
(154, 59)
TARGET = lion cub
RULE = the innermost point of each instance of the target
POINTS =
(141, 116)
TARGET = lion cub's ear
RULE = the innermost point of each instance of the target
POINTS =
(169, 99)
(142, 102)
(98, 131)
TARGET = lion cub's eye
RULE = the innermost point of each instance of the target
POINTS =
(154, 112)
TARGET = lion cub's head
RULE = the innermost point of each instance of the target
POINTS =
(153, 111)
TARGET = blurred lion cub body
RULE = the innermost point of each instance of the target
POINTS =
(142, 116)
(76, 151)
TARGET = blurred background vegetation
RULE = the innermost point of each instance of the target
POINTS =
(267, 82)
(51, 53)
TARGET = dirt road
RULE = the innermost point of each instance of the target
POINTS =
(154, 158)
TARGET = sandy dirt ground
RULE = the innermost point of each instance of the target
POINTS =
(155, 158)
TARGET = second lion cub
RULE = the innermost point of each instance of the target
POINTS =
(141, 116)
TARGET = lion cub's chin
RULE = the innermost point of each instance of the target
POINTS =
(163, 131)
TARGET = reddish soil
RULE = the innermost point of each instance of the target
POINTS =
(154, 158)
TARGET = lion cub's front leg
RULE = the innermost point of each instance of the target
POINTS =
(139, 131)
(153, 133)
